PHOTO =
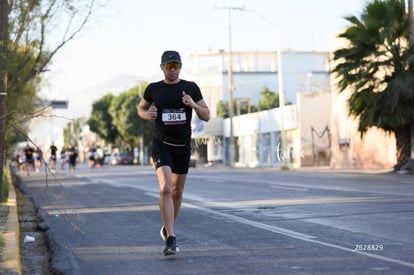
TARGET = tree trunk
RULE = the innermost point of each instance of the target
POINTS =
(403, 140)
(411, 39)
(4, 35)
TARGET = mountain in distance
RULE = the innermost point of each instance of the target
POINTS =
(44, 130)
(80, 104)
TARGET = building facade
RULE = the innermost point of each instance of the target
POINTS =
(258, 136)
(315, 121)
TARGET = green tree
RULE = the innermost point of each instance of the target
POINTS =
(72, 132)
(124, 115)
(23, 102)
(131, 128)
(269, 100)
(115, 119)
(31, 30)
(31, 24)
(375, 67)
(223, 109)
(31, 49)
(101, 121)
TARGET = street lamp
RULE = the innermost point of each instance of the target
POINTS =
(280, 85)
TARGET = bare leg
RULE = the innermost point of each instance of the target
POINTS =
(171, 191)
(166, 203)
(178, 181)
(28, 167)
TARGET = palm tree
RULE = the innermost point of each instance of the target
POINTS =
(376, 68)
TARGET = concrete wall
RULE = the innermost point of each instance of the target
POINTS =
(375, 151)
(314, 115)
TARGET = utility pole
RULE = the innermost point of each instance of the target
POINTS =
(4, 34)
(230, 86)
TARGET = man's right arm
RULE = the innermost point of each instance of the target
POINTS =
(146, 111)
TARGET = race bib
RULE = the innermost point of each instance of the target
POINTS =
(174, 116)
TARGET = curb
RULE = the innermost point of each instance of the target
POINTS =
(11, 257)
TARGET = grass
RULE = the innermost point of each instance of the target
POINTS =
(5, 187)
(4, 210)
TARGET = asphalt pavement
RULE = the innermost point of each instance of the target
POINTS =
(95, 243)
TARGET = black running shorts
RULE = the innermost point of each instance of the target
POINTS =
(173, 155)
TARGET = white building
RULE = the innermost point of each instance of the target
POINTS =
(258, 135)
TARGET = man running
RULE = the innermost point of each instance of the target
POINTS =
(170, 103)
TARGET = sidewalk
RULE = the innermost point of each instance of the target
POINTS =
(11, 263)
(328, 169)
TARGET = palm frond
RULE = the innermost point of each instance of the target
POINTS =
(375, 66)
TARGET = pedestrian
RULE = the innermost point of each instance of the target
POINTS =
(29, 151)
(20, 161)
(73, 155)
(170, 104)
(63, 158)
(92, 157)
(37, 158)
(53, 157)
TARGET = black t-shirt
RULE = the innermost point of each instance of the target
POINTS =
(173, 122)
(29, 153)
(53, 150)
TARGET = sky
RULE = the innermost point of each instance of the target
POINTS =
(127, 37)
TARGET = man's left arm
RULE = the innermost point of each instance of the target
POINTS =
(202, 110)
(200, 107)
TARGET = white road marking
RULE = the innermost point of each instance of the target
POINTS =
(290, 233)
(271, 228)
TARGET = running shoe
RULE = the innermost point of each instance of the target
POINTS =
(170, 246)
(163, 233)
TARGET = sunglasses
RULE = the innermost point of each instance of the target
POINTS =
(175, 65)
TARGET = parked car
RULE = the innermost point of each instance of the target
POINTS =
(118, 159)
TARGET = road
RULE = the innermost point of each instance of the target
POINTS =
(233, 221)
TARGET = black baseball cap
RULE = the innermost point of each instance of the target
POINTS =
(170, 56)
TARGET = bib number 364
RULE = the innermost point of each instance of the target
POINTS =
(174, 116)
